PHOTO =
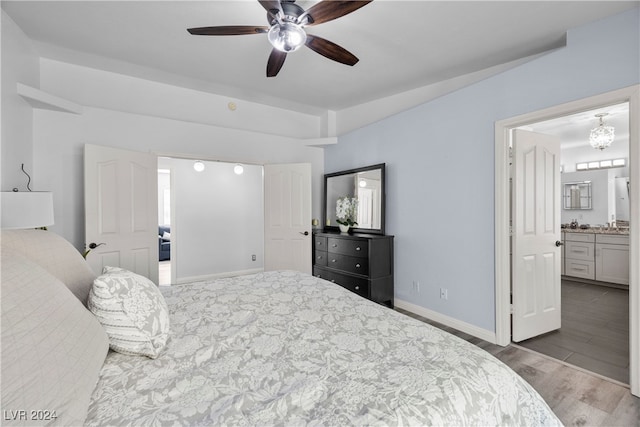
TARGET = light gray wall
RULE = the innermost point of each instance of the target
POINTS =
(219, 220)
(59, 139)
(164, 183)
(124, 112)
(17, 124)
(440, 164)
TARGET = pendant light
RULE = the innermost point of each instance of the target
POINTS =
(602, 136)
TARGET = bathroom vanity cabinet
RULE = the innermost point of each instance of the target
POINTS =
(596, 256)
(612, 258)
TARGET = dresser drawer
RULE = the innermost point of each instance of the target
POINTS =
(354, 284)
(357, 248)
(359, 286)
(579, 250)
(320, 258)
(348, 263)
(320, 243)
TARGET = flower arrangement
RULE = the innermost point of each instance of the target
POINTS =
(346, 211)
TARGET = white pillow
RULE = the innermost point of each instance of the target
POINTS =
(132, 311)
(52, 348)
(56, 255)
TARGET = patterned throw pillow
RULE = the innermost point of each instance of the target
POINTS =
(132, 311)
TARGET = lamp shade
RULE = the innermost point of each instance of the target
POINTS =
(26, 209)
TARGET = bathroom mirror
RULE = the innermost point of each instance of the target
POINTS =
(367, 185)
(577, 195)
(622, 198)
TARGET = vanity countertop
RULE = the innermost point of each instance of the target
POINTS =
(598, 230)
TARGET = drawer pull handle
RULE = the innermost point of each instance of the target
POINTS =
(333, 260)
(333, 281)
(358, 248)
(357, 265)
(319, 257)
(334, 245)
(357, 288)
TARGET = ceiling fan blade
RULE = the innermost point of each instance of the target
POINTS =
(328, 10)
(330, 50)
(276, 59)
(270, 6)
(228, 30)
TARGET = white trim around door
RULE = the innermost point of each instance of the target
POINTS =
(503, 130)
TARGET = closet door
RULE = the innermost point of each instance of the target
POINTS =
(121, 209)
(287, 217)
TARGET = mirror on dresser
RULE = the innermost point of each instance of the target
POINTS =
(367, 185)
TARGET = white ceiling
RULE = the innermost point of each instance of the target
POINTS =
(573, 130)
(402, 45)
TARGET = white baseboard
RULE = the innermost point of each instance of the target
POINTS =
(191, 279)
(465, 327)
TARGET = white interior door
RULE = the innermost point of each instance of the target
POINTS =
(536, 229)
(287, 217)
(121, 209)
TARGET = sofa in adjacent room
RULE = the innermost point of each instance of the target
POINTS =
(164, 242)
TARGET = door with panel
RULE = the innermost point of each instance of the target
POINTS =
(536, 236)
(121, 209)
(287, 217)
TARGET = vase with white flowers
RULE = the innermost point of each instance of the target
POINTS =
(346, 211)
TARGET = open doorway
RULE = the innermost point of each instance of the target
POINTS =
(211, 217)
(164, 227)
(503, 269)
(594, 212)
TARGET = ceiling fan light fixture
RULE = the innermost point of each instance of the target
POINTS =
(287, 36)
(602, 136)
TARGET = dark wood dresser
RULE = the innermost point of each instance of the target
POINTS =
(362, 263)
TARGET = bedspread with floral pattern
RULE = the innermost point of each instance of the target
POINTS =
(286, 348)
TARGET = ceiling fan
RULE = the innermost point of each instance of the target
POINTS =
(286, 30)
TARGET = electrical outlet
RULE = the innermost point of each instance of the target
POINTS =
(443, 294)
(253, 257)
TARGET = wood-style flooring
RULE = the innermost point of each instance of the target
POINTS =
(578, 398)
(594, 333)
(164, 276)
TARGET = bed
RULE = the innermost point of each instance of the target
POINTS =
(274, 348)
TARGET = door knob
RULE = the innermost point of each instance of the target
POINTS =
(559, 243)
(95, 245)
(306, 233)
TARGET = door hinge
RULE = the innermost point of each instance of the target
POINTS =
(511, 308)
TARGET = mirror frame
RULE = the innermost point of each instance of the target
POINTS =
(566, 197)
(381, 167)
